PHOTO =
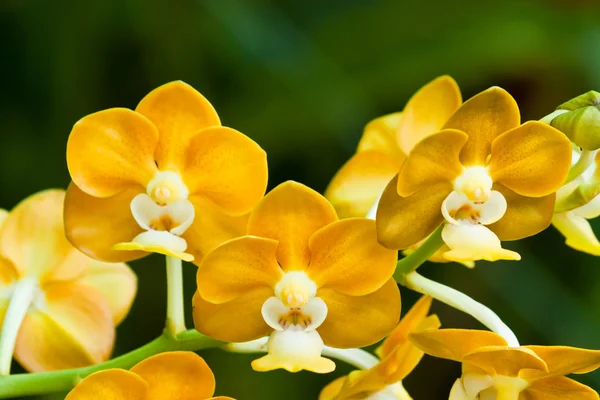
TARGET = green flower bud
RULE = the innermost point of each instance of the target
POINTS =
(580, 120)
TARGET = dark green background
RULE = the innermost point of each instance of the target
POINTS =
(302, 78)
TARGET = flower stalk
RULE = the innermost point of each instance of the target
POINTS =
(462, 302)
(585, 160)
(415, 259)
(175, 323)
(20, 302)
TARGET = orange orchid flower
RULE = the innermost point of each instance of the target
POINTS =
(492, 370)
(165, 178)
(398, 358)
(386, 142)
(302, 276)
(70, 303)
(179, 375)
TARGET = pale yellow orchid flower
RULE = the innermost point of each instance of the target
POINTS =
(484, 175)
(178, 375)
(165, 178)
(398, 358)
(494, 371)
(58, 307)
(301, 276)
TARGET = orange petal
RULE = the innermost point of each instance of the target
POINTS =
(74, 328)
(380, 135)
(332, 389)
(177, 375)
(211, 227)
(427, 111)
(358, 321)
(238, 267)
(117, 283)
(346, 257)
(454, 344)
(433, 160)
(33, 238)
(404, 221)
(525, 216)
(239, 320)
(111, 151)
(506, 361)
(110, 384)
(290, 214)
(559, 388)
(226, 167)
(178, 111)
(360, 182)
(95, 225)
(532, 160)
(483, 117)
(409, 323)
(564, 360)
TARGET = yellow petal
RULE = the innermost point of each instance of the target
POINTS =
(404, 221)
(346, 257)
(360, 182)
(110, 384)
(3, 215)
(469, 242)
(564, 360)
(95, 225)
(178, 111)
(177, 375)
(239, 320)
(116, 282)
(532, 160)
(238, 267)
(290, 214)
(409, 323)
(559, 388)
(577, 232)
(506, 361)
(332, 389)
(33, 238)
(525, 216)
(381, 134)
(271, 362)
(433, 160)
(153, 248)
(483, 117)
(454, 344)
(358, 321)
(74, 328)
(427, 111)
(211, 228)
(227, 168)
(112, 151)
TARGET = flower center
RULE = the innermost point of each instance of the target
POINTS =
(295, 289)
(167, 187)
(497, 387)
(475, 183)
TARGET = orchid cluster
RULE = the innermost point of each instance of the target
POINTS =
(298, 277)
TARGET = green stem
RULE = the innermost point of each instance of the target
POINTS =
(415, 259)
(20, 302)
(175, 323)
(12, 386)
(585, 160)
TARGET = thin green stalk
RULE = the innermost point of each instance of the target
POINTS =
(12, 386)
(585, 160)
(415, 259)
(175, 323)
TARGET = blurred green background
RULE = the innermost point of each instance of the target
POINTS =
(302, 78)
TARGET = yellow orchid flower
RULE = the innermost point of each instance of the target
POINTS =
(302, 276)
(576, 203)
(385, 143)
(178, 375)
(494, 371)
(165, 178)
(398, 358)
(488, 177)
(58, 307)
